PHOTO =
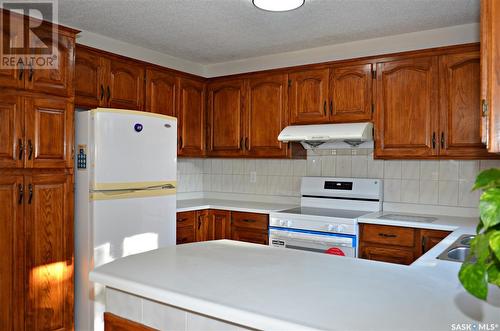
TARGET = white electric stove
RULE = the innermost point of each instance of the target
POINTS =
(327, 219)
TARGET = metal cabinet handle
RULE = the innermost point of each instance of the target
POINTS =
(423, 244)
(30, 196)
(180, 141)
(434, 140)
(30, 149)
(21, 149)
(241, 143)
(442, 139)
(21, 71)
(324, 107)
(109, 93)
(484, 106)
(21, 194)
(248, 220)
(246, 144)
(199, 222)
(102, 92)
(179, 220)
(385, 235)
(31, 73)
(331, 107)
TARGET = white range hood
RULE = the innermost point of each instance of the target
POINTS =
(325, 136)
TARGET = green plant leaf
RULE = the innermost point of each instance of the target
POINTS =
(494, 274)
(489, 207)
(495, 243)
(480, 226)
(473, 278)
(480, 247)
(487, 179)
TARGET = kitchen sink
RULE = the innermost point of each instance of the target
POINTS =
(458, 251)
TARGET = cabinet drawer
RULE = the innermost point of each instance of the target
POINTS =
(387, 254)
(250, 220)
(389, 235)
(251, 236)
(186, 219)
(185, 235)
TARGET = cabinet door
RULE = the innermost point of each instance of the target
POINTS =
(387, 254)
(406, 115)
(221, 224)
(12, 258)
(186, 227)
(191, 116)
(203, 226)
(57, 81)
(225, 125)
(308, 99)
(11, 131)
(460, 122)
(351, 93)
(266, 115)
(49, 252)
(89, 89)
(125, 85)
(430, 238)
(12, 37)
(161, 92)
(49, 133)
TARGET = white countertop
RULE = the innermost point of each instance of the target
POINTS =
(282, 289)
(233, 205)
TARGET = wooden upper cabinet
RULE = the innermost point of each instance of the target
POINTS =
(490, 74)
(161, 92)
(11, 131)
(191, 117)
(49, 133)
(266, 115)
(49, 252)
(460, 116)
(57, 81)
(11, 245)
(125, 86)
(89, 90)
(308, 97)
(406, 115)
(12, 36)
(225, 118)
(351, 93)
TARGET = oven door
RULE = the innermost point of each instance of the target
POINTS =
(313, 241)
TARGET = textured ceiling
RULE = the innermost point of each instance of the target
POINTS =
(212, 31)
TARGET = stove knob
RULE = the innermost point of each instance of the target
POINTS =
(332, 227)
(289, 224)
(282, 223)
(341, 228)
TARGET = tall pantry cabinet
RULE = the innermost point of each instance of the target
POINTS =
(36, 191)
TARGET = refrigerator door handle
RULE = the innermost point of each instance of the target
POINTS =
(147, 188)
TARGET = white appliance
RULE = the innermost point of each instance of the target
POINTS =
(125, 203)
(326, 221)
(329, 135)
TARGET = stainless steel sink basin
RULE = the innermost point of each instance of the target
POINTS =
(458, 251)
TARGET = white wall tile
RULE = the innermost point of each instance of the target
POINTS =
(448, 192)
(468, 170)
(207, 184)
(261, 184)
(227, 183)
(274, 167)
(487, 164)
(197, 166)
(448, 170)
(217, 166)
(375, 168)
(429, 191)
(299, 168)
(238, 183)
(314, 166)
(207, 166)
(227, 167)
(392, 169)
(216, 183)
(343, 166)
(262, 167)
(250, 165)
(410, 169)
(163, 317)
(328, 166)
(123, 304)
(239, 166)
(359, 166)
(429, 170)
(410, 189)
(467, 197)
(392, 190)
(273, 185)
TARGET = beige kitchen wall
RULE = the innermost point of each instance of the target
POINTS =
(446, 182)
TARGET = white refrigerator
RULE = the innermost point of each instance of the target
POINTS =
(125, 186)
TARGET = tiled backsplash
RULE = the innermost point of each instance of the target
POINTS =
(446, 183)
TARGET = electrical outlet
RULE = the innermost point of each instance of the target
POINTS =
(253, 177)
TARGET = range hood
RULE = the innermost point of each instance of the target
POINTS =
(314, 136)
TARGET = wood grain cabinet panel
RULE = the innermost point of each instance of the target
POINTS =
(406, 120)
(191, 116)
(126, 85)
(161, 92)
(49, 132)
(388, 235)
(203, 226)
(11, 131)
(250, 227)
(387, 254)
(12, 34)
(266, 115)
(308, 97)
(116, 323)
(49, 252)
(186, 232)
(430, 238)
(89, 89)
(351, 93)
(12, 233)
(225, 118)
(460, 121)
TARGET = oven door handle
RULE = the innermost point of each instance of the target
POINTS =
(307, 240)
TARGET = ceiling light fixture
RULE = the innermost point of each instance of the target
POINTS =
(278, 5)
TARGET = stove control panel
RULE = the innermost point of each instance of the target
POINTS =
(314, 225)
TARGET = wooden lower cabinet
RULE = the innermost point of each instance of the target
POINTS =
(395, 244)
(37, 251)
(215, 224)
(116, 323)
